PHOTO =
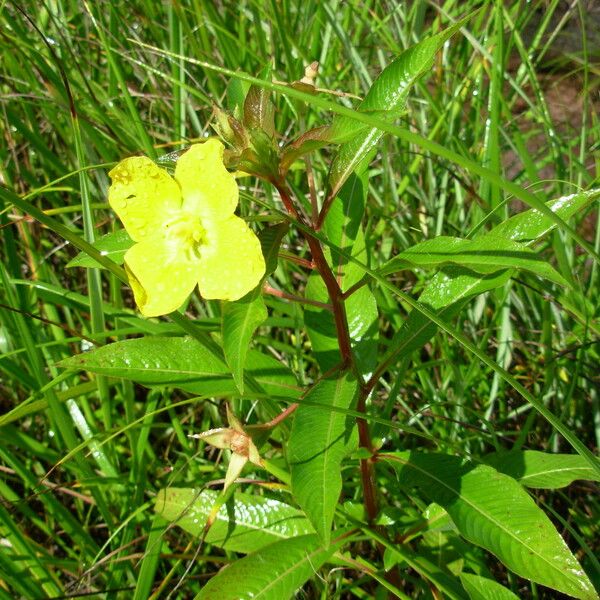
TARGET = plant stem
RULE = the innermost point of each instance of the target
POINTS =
(279, 418)
(335, 293)
(367, 470)
(308, 264)
(337, 301)
(267, 289)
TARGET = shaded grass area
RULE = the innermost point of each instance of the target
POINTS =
(83, 85)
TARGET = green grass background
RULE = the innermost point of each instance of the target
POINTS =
(83, 85)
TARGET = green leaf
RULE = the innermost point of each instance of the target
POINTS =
(245, 524)
(387, 100)
(486, 255)
(241, 319)
(153, 361)
(429, 570)
(444, 546)
(450, 289)
(447, 292)
(540, 469)
(310, 140)
(320, 439)
(275, 378)
(271, 573)
(236, 92)
(492, 510)
(342, 228)
(441, 542)
(270, 240)
(181, 362)
(113, 245)
(482, 588)
(259, 111)
(530, 225)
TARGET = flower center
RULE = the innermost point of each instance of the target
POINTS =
(187, 231)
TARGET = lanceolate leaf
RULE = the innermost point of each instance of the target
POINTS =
(314, 139)
(447, 292)
(530, 225)
(259, 111)
(492, 510)
(319, 441)
(451, 288)
(241, 319)
(274, 572)
(386, 98)
(275, 378)
(540, 469)
(247, 523)
(270, 240)
(180, 362)
(437, 574)
(486, 254)
(482, 588)
(152, 361)
(112, 245)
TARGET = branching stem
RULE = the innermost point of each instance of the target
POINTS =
(337, 301)
(284, 295)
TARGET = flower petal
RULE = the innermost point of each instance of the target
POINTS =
(219, 438)
(208, 189)
(143, 195)
(161, 274)
(232, 263)
(253, 455)
(233, 421)
(236, 464)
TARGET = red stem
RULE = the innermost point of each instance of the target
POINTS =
(280, 294)
(338, 306)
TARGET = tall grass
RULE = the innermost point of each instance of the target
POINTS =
(84, 84)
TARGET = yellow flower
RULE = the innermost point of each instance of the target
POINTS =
(185, 231)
